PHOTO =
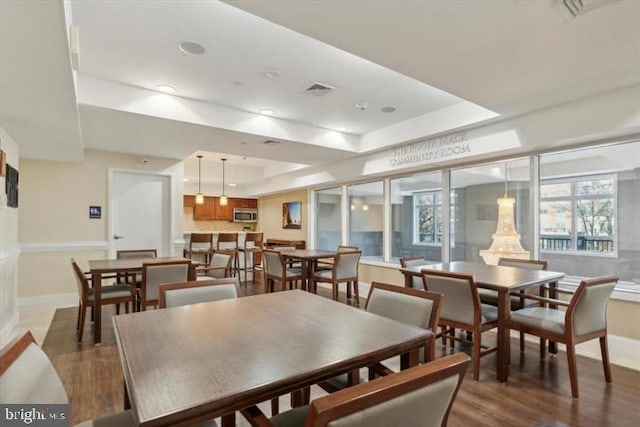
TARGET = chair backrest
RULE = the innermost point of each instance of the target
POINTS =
(158, 273)
(136, 253)
(273, 263)
(284, 248)
(81, 281)
(461, 299)
(345, 248)
(220, 265)
(177, 294)
(346, 265)
(253, 240)
(411, 306)
(412, 261)
(27, 375)
(227, 241)
(587, 311)
(531, 264)
(420, 396)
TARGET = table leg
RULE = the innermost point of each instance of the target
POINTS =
(300, 397)
(409, 359)
(127, 402)
(96, 282)
(408, 280)
(229, 420)
(504, 347)
(553, 293)
(305, 275)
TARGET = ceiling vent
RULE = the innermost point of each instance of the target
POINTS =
(318, 89)
(271, 143)
(578, 8)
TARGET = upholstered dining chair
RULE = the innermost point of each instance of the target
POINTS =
(276, 270)
(585, 319)
(327, 263)
(177, 294)
(27, 376)
(412, 261)
(158, 273)
(411, 306)
(462, 309)
(345, 270)
(421, 396)
(137, 254)
(251, 252)
(219, 267)
(228, 244)
(116, 294)
(201, 244)
(487, 296)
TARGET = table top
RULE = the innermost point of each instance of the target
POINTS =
(125, 264)
(215, 358)
(496, 277)
(309, 254)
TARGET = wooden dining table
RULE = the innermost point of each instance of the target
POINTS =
(501, 279)
(193, 363)
(307, 257)
(109, 266)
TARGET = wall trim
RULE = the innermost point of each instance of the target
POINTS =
(98, 245)
(59, 300)
(10, 254)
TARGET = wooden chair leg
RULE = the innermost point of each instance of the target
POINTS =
(275, 406)
(573, 369)
(82, 319)
(356, 292)
(521, 342)
(604, 349)
(443, 333)
(543, 348)
(476, 354)
(78, 318)
(335, 291)
(348, 290)
(431, 354)
(452, 339)
(117, 309)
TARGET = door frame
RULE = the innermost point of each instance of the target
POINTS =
(170, 233)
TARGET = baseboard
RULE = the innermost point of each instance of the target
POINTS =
(57, 300)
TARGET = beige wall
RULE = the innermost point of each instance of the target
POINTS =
(270, 216)
(54, 222)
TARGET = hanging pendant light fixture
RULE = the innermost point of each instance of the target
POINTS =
(506, 240)
(199, 195)
(223, 198)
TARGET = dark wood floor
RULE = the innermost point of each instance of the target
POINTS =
(537, 394)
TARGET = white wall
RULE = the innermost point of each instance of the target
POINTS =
(9, 250)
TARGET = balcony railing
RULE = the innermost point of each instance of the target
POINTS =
(603, 244)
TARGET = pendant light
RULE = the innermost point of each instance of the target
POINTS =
(199, 195)
(506, 240)
(223, 198)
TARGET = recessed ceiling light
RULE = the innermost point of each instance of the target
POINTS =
(273, 74)
(191, 48)
(237, 83)
(341, 128)
(232, 184)
(362, 105)
(388, 109)
(166, 89)
(185, 179)
(267, 112)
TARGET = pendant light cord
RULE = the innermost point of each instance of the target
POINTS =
(223, 162)
(199, 165)
(506, 178)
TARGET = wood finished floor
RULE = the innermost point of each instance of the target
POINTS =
(537, 394)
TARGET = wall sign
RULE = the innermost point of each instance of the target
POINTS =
(95, 212)
(431, 150)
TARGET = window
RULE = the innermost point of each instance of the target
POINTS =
(328, 232)
(427, 218)
(578, 214)
(366, 224)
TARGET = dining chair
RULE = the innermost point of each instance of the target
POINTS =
(327, 263)
(158, 273)
(201, 244)
(411, 306)
(219, 267)
(584, 319)
(276, 270)
(462, 309)
(251, 251)
(345, 270)
(112, 294)
(421, 396)
(27, 376)
(228, 244)
(134, 254)
(487, 296)
(178, 294)
(413, 261)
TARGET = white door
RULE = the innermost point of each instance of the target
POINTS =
(140, 212)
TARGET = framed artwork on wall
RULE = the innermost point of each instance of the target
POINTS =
(11, 186)
(292, 215)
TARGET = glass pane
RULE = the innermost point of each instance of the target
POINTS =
(601, 186)
(366, 204)
(555, 226)
(417, 231)
(595, 225)
(328, 218)
(555, 190)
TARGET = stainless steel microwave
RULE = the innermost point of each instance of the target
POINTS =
(245, 215)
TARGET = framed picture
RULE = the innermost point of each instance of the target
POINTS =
(3, 163)
(292, 215)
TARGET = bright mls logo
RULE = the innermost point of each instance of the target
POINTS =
(35, 415)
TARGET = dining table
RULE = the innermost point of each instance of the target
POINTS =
(307, 257)
(98, 268)
(501, 279)
(193, 363)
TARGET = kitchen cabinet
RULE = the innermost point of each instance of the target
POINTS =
(223, 213)
(189, 201)
(245, 203)
(211, 209)
(204, 211)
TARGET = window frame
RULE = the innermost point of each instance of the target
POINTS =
(416, 218)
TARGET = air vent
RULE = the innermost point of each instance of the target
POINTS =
(318, 89)
(579, 7)
(271, 143)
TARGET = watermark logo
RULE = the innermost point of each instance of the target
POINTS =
(55, 415)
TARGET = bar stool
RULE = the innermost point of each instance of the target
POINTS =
(228, 244)
(252, 248)
(201, 244)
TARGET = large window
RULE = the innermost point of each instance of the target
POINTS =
(366, 218)
(328, 232)
(416, 216)
(578, 214)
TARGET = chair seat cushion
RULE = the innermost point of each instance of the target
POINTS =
(548, 319)
(487, 296)
(293, 272)
(324, 274)
(292, 418)
(112, 292)
(489, 313)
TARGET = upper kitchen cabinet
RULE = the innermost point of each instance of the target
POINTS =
(244, 203)
(223, 213)
(189, 201)
(204, 211)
